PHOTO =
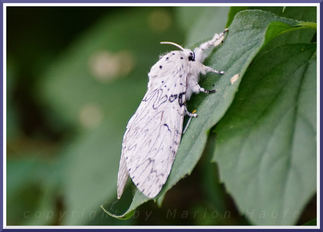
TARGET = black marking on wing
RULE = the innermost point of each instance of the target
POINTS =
(181, 99)
(167, 127)
(159, 98)
(160, 101)
(134, 146)
(172, 97)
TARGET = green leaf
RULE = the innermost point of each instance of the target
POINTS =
(278, 28)
(311, 223)
(31, 189)
(247, 34)
(308, 25)
(304, 14)
(266, 143)
(232, 13)
(199, 22)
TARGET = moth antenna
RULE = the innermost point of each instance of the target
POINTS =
(179, 46)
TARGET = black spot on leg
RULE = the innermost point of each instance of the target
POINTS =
(182, 58)
(167, 58)
(160, 67)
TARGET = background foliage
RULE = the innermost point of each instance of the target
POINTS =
(75, 78)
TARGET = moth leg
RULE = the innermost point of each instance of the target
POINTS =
(191, 115)
(206, 91)
(193, 85)
(209, 69)
(215, 41)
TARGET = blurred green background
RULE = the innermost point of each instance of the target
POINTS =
(75, 76)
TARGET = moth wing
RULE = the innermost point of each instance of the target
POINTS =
(123, 175)
(153, 134)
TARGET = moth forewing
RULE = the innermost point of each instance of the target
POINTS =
(123, 175)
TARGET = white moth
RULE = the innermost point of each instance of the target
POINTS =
(153, 133)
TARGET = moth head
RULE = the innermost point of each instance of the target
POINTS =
(190, 55)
